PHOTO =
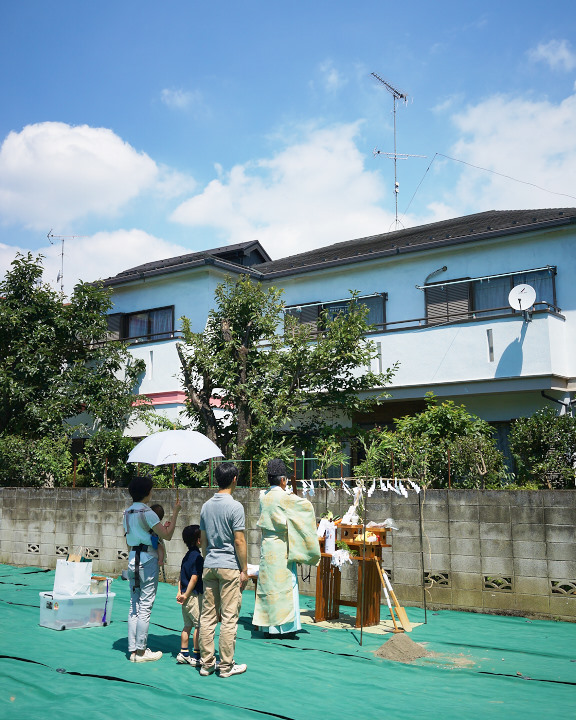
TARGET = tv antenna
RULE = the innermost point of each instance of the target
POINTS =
(51, 236)
(396, 95)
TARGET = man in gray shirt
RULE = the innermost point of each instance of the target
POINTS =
(222, 524)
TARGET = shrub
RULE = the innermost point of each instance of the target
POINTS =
(544, 447)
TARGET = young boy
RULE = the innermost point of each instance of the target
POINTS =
(157, 542)
(190, 590)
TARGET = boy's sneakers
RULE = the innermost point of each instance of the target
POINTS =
(187, 660)
(234, 670)
(207, 670)
(147, 656)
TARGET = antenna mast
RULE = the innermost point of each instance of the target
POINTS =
(50, 236)
(396, 95)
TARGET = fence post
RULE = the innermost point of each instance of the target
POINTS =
(250, 473)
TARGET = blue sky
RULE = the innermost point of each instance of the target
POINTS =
(140, 130)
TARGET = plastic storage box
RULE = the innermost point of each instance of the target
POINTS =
(80, 611)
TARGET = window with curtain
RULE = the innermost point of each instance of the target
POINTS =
(157, 324)
(490, 295)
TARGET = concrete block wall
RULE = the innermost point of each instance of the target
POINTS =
(485, 551)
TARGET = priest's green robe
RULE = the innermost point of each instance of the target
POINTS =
(289, 535)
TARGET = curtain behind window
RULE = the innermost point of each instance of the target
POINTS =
(137, 325)
(161, 324)
(491, 293)
(542, 281)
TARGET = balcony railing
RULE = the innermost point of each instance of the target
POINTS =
(539, 308)
(154, 337)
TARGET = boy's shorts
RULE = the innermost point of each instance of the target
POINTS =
(191, 611)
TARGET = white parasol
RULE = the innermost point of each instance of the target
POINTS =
(174, 446)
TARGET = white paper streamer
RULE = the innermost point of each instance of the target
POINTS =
(415, 486)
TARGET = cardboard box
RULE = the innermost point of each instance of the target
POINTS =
(63, 613)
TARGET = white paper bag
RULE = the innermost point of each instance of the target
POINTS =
(72, 578)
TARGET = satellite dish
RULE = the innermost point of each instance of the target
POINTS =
(521, 297)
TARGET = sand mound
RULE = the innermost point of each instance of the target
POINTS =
(401, 649)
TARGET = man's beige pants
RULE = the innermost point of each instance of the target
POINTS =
(222, 596)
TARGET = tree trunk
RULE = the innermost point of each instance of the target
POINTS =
(200, 404)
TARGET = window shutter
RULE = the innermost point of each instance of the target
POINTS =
(445, 303)
(114, 326)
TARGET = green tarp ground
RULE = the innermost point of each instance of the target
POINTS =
(484, 667)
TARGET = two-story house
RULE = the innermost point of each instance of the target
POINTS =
(438, 297)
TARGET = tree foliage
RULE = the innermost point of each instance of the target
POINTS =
(444, 444)
(263, 380)
(544, 448)
(58, 373)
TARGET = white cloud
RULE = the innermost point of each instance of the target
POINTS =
(557, 54)
(533, 142)
(312, 193)
(173, 184)
(52, 174)
(179, 99)
(97, 256)
(332, 79)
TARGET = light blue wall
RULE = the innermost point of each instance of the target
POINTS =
(191, 292)
(398, 275)
(454, 357)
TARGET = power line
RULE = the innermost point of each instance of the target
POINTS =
(477, 167)
(508, 177)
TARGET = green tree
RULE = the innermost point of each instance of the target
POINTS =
(42, 462)
(544, 448)
(58, 373)
(444, 443)
(264, 381)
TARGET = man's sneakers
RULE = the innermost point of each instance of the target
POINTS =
(234, 670)
(187, 660)
(147, 656)
(207, 670)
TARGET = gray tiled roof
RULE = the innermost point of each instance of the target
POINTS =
(468, 228)
(454, 231)
(182, 262)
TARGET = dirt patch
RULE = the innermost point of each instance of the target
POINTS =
(401, 649)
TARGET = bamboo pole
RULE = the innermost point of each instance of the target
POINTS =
(422, 555)
(365, 502)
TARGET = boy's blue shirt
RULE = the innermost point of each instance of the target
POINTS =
(192, 564)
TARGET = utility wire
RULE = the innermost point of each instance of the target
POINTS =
(477, 167)
(508, 177)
